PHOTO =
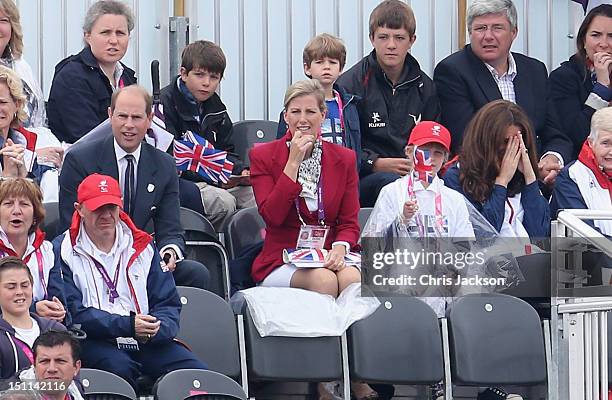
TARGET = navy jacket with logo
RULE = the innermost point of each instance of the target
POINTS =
(387, 113)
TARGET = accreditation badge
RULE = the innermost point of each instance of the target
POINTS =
(312, 237)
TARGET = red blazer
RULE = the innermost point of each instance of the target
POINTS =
(275, 193)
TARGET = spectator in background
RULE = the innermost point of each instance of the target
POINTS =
(324, 58)
(18, 327)
(57, 359)
(486, 70)
(131, 320)
(395, 95)
(17, 145)
(581, 86)
(48, 148)
(587, 182)
(496, 171)
(83, 84)
(21, 215)
(191, 104)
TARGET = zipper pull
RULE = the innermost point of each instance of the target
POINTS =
(393, 91)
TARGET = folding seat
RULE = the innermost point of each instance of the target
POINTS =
(495, 340)
(203, 245)
(400, 343)
(208, 328)
(245, 228)
(103, 385)
(197, 384)
(251, 132)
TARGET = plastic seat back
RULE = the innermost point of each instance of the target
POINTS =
(249, 133)
(197, 384)
(399, 343)
(246, 227)
(208, 327)
(103, 385)
(495, 339)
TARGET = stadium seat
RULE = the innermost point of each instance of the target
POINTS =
(300, 359)
(399, 343)
(197, 384)
(208, 327)
(536, 288)
(50, 224)
(245, 227)
(495, 339)
(103, 385)
(202, 244)
(364, 214)
(248, 133)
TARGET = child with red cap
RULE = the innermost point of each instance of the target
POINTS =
(418, 202)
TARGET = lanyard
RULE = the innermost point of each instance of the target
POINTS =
(437, 209)
(511, 211)
(41, 271)
(339, 101)
(320, 210)
(112, 285)
(26, 349)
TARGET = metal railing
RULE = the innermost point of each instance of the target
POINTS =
(579, 315)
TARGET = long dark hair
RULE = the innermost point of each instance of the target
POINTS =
(482, 149)
(604, 10)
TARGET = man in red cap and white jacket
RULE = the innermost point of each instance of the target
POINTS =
(118, 289)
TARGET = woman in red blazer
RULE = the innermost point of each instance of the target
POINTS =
(290, 169)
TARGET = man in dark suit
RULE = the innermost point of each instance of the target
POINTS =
(147, 177)
(486, 70)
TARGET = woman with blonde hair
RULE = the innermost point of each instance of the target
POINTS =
(48, 147)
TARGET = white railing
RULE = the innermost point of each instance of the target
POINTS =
(579, 323)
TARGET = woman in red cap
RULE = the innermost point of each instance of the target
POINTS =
(496, 171)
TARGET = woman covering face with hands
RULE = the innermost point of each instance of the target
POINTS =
(496, 171)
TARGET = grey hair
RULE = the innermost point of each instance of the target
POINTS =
(478, 8)
(104, 7)
(305, 88)
(601, 121)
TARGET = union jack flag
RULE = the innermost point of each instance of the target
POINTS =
(423, 170)
(302, 257)
(196, 154)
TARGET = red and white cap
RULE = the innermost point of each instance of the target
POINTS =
(430, 132)
(99, 190)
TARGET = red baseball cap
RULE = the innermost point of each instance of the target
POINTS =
(428, 132)
(98, 190)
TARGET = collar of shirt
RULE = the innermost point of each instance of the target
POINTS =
(511, 73)
(116, 76)
(433, 186)
(120, 153)
(90, 247)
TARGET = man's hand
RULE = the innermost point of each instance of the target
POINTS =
(146, 326)
(53, 309)
(52, 156)
(400, 166)
(171, 264)
(548, 169)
